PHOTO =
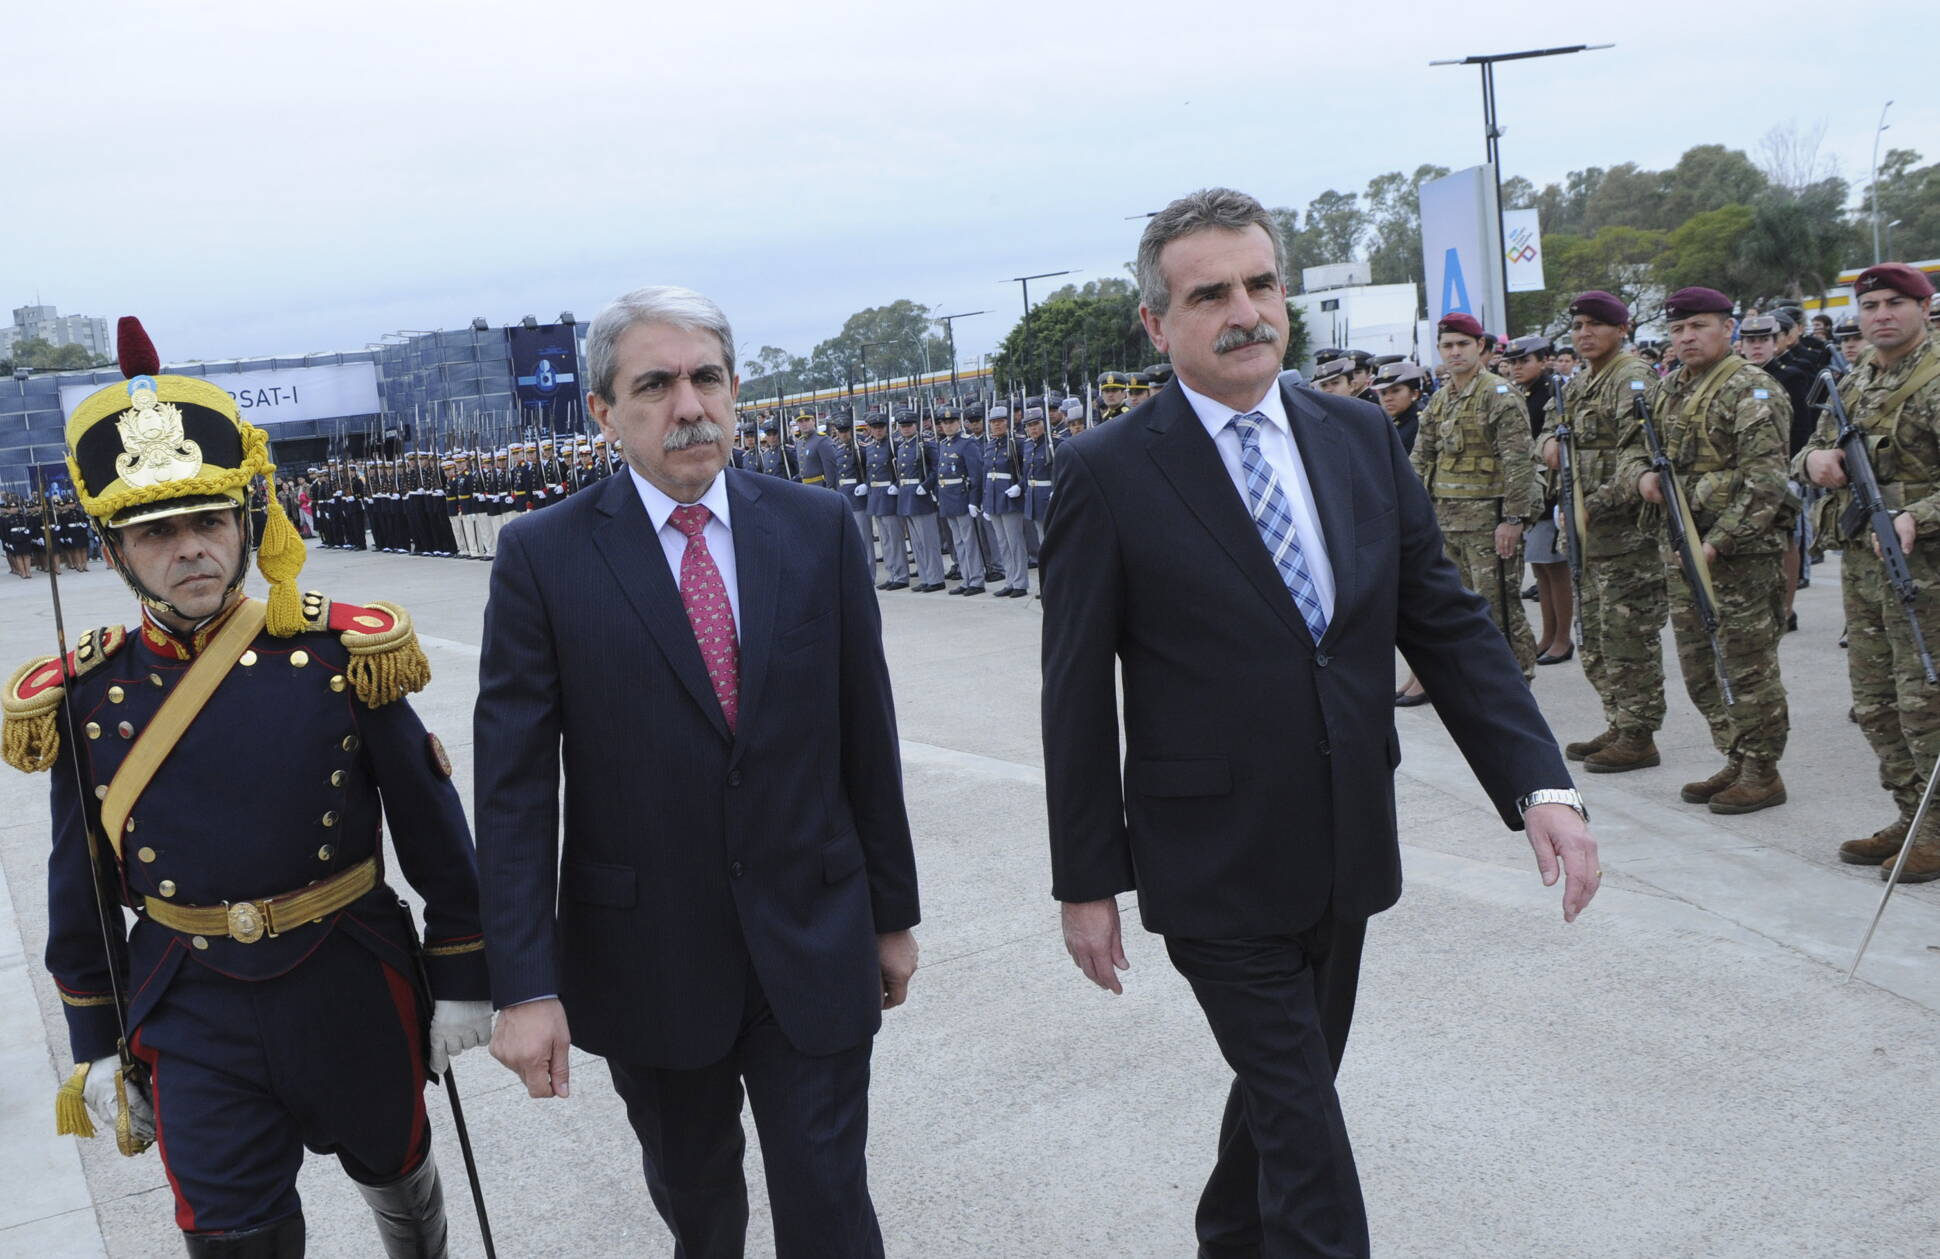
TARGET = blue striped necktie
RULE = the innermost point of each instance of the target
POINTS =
(1267, 503)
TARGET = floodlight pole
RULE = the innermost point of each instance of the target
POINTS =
(1025, 280)
(950, 336)
(1877, 132)
(1492, 135)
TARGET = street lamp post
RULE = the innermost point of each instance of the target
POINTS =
(1877, 133)
(1889, 238)
(1025, 280)
(1492, 135)
(950, 336)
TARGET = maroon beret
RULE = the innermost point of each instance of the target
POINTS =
(1896, 276)
(1696, 301)
(1461, 325)
(1602, 307)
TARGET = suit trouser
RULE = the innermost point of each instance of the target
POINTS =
(969, 550)
(1284, 1185)
(895, 559)
(1010, 547)
(927, 542)
(813, 1117)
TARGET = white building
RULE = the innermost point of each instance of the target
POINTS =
(57, 330)
(1342, 309)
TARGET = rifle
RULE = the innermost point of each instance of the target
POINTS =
(1869, 507)
(1575, 518)
(1679, 521)
(1501, 579)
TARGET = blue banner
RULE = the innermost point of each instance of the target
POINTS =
(545, 375)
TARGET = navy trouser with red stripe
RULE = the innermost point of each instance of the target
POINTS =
(246, 1074)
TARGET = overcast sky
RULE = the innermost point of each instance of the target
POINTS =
(257, 178)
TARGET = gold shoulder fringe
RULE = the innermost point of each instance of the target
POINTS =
(389, 664)
(32, 732)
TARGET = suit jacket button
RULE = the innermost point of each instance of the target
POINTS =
(734, 778)
(1323, 659)
(736, 870)
(1326, 748)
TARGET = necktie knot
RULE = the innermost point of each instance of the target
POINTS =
(1248, 427)
(691, 519)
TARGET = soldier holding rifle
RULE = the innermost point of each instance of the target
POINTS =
(1723, 426)
(1892, 403)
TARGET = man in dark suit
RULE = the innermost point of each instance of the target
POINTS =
(1250, 556)
(737, 887)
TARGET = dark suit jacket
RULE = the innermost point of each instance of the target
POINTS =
(688, 852)
(1258, 784)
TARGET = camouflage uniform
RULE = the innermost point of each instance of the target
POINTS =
(1897, 710)
(1623, 597)
(1474, 455)
(1726, 431)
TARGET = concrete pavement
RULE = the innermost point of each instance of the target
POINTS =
(1680, 1073)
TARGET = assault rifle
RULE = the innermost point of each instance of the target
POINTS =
(1681, 525)
(1575, 518)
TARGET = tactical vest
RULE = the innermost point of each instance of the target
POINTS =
(1689, 438)
(1596, 404)
(1904, 476)
(1466, 464)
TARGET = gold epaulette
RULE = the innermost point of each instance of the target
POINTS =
(31, 703)
(386, 662)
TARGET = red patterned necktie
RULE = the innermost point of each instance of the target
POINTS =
(704, 595)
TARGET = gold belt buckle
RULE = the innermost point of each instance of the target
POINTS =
(247, 922)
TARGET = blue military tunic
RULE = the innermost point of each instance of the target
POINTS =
(1040, 458)
(916, 461)
(959, 475)
(882, 477)
(1003, 468)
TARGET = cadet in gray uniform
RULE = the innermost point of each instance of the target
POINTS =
(915, 492)
(814, 453)
(879, 463)
(959, 499)
(1003, 502)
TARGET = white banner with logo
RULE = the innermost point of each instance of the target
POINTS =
(1522, 237)
(283, 394)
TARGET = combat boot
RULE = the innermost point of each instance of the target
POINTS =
(1701, 793)
(1579, 751)
(1922, 863)
(1881, 845)
(1758, 787)
(1633, 749)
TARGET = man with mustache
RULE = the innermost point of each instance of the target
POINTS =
(728, 911)
(1247, 557)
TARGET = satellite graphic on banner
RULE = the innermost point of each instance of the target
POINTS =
(545, 373)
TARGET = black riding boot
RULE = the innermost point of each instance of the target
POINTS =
(410, 1212)
(281, 1240)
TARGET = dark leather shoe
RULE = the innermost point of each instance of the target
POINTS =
(930, 589)
(968, 590)
(894, 585)
(1546, 658)
(1404, 700)
(961, 590)
(953, 574)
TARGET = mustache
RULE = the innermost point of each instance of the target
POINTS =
(1261, 333)
(699, 433)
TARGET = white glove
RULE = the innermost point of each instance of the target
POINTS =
(862, 491)
(892, 491)
(922, 491)
(455, 1027)
(1014, 491)
(99, 1093)
(975, 511)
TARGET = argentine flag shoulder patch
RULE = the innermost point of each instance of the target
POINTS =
(1502, 389)
(1760, 394)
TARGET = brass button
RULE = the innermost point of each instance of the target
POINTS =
(101, 792)
(94, 730)
(326, 852)
(337, 778)
(352, 743)
(127, 731)
(299, 658)
(168, 887)
(146, 854)
(198, 942)
(330, 818)
(116, 695)
(337, 682)
(248, 658)
(154, 679)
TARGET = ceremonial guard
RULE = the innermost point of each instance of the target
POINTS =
(525, 478)
(552, 476)
(1040, 464)
(1475, 456)
(845, 475)
(1621, 596)
(915, 491)
(466, 492)
(356, 496)
(815, 458)
(959, 499)
(774, 459)
(225, 771)
(1893, 397)
(1111, 394)
(495, 491)
(879, 464)
(1723, 425)
(1003, 502)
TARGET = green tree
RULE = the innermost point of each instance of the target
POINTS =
(1619, 260)
(1394, 207)
(40, 355)
(1909, 194)
(1562, 206)
(1792, 248)
(1707, 176)
(1704, 250)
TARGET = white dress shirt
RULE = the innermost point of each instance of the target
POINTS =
(718, 533)
(1283, 456)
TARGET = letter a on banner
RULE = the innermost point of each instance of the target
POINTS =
(1454, 287)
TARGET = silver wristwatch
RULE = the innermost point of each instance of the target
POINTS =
(1555, 795)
